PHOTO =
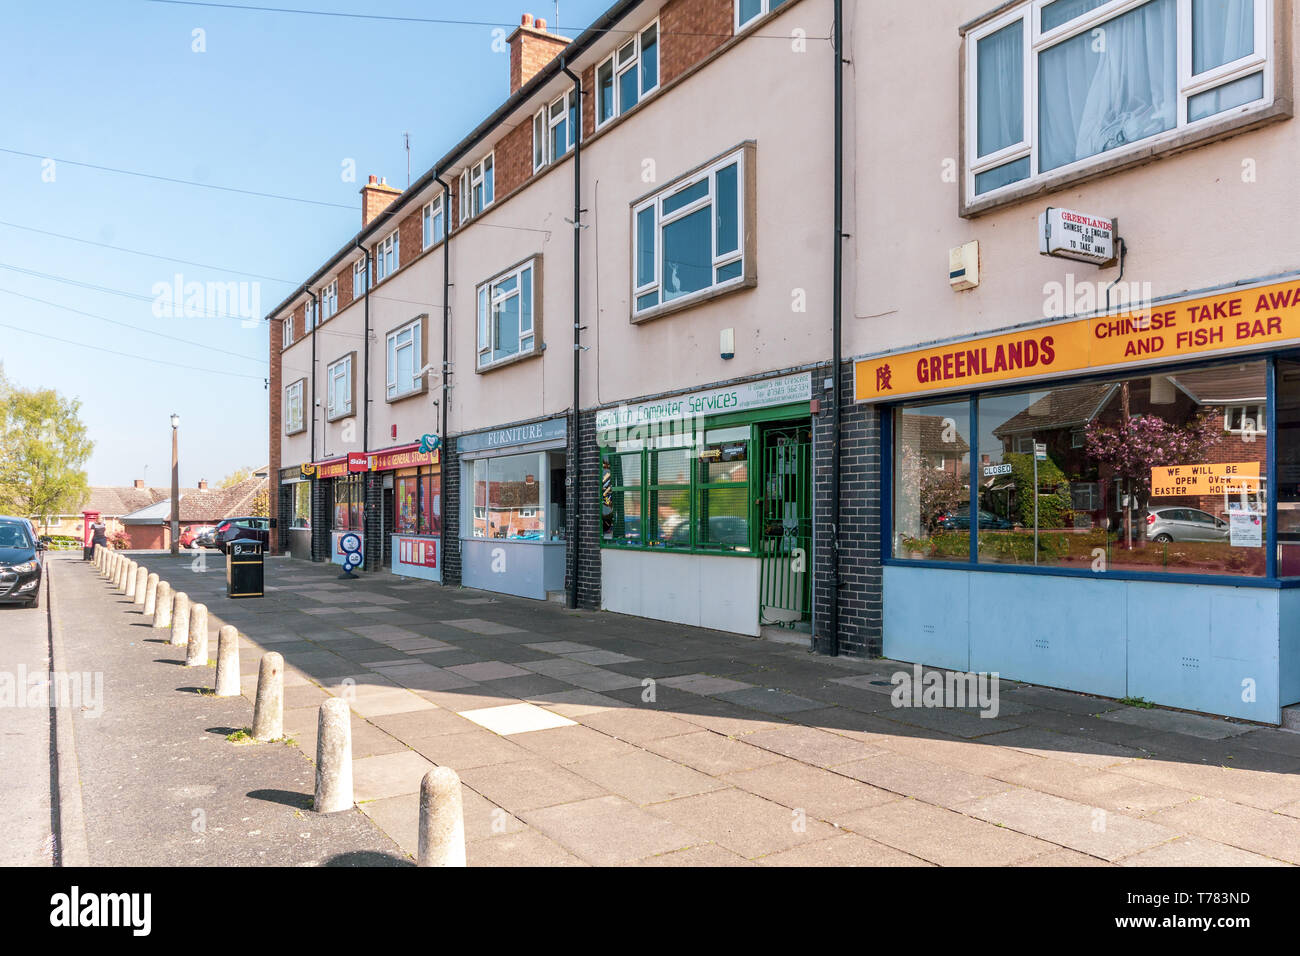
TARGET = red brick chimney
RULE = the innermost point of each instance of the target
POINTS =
(139, 482)
(531, 49)
(376, 196)
(203, 484)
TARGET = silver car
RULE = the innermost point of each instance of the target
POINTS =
(1184, 524)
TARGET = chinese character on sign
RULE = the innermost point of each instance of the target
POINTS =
(883, 376)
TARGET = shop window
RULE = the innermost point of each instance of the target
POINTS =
(434, 223)
(507, 316)
(690, 239)
(293, 412)
(1059, 85)
(405, 360)
(417, 504)
(629, 75)
(349, 503)
(932, 505)
(673, 492)
(1288, 468)
(302, 504)
(1159, 484)
(507, 495)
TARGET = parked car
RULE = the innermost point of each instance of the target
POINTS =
(233, 529)
(1184, 524)
(191, 536)
(22, 556)
(959, 520)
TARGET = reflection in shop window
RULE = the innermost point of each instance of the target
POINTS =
(417, 504)
(1288, 468)
(1158, 484)
(302, 504)
(507, 497)
(932, 482)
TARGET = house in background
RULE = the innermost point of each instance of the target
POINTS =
(112, 502)
(148, 528)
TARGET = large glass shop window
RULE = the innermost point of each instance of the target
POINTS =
(417, 504)
(302, 504)
(932, 482)
(348, 503)
(1157, 473)
(507, 497)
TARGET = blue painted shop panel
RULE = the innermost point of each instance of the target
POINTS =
(927, 616)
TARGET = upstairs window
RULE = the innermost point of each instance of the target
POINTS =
(1055, 84)
(506, 316)
(387, 256)
(434, 223)
(359, 275)
(338, 388)
(329, 300)
(747, 11)
(555, 130)
(286, 331)
(629, 75)
(1245, 420)
(293, 408)
(308, 316)
(405, 360)
(476, 188)
(690, 238)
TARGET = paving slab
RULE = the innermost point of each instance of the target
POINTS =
(811, 745)
(910, 777)
(1098, 788)
(571, 744)
(475, 748)
(606, 831)
(742, 822)
(516, 718)
(942, 836)
(711, 753)
(1194, 725)
(822, 794)
(526, 847)
(388, 775)
(1268, 834)
(644, 778)
(1195, 851)
(844, 849)
(530, 784)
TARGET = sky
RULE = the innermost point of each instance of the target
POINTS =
(280, 104)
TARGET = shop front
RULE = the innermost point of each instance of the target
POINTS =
(1108, 505)
(513, 498)
(295, 511)
(706, 507)
(412, 491)
(344, 481)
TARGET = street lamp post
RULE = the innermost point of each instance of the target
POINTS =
(176, 488)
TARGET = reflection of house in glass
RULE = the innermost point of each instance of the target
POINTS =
(1061, 419)
(936, 439)
(513, 512)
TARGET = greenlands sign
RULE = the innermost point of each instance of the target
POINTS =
(718, 401)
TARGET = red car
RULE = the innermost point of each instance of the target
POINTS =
(190, 534)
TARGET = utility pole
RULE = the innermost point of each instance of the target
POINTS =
(176, 488)
(407, 138)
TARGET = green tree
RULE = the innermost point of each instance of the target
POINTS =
(43, 446)
(235, 477)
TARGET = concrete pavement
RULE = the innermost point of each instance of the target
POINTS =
(593, 738)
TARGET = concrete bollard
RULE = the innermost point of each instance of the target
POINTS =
(150, 594)
(268, 709)
(141, 584)
(162, 609)
(196, 652)
(95, 557)
(334, 757)
(180, 619)
(116, 576)
(228, 662)
(442, 820)
(110, 560)
(104, 563)
(127, 577)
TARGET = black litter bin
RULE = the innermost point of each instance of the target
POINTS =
(245, 570)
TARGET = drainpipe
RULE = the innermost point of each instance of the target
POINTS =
(365, 361)
(315, 305)
(831, 638)
(576, 510)
(446, 325)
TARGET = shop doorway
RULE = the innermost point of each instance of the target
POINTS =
(785, 525)
(386, 524)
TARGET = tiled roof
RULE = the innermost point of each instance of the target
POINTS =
(1059, 408)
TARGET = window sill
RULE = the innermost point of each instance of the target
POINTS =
(1224, 128)
(414, 393)
(513, 360)
(691, 301)
(1222, 580)
(330, 419)
(289, 433)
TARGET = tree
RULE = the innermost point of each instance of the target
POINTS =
(235, 477)
(1137, 444)
(261, 506)
(43, 445)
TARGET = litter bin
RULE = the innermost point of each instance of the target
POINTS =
(245, 569)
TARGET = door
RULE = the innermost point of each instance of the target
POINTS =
(785, 526)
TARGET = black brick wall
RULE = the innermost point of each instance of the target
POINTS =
(860, 581)
(320, 519)
(585, 514)
(284, 517)
(450, 513)
(372, 521)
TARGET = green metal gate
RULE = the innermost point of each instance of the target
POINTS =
(785, 526)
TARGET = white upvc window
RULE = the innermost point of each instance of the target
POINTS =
(309, 315)
(387, 256)
(747, 11)
(338, 388)
(689, 239)
(434, 223)
(293, 408)
(506, 316)
(1059, 85)
(286, 331)
(1245, 419)
(404, 360)
(360, 273)
(630, 74)
(555, 130)
(329, 300)
(477, 188)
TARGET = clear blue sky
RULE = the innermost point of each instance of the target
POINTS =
(276, 104)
